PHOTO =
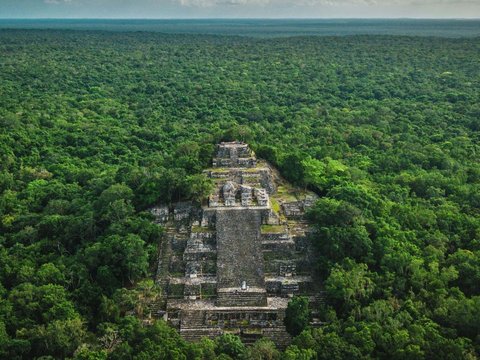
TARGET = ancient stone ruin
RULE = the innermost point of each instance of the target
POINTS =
(232, 264)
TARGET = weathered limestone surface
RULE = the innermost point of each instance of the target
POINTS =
(233, 264)
(239, 248)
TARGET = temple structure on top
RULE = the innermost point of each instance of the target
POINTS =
(234, 154)
(233, 263)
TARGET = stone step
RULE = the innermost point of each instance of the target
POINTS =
(196, 317)
(241, 298)
(165, 253)
(279, 336)
(239, 255)
(278, 245)
(250, 339)
(319, 298)
(196, 334)
(193, 319)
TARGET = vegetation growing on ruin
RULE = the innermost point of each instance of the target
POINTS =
(95, 127)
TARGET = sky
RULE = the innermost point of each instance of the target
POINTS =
(161, 9)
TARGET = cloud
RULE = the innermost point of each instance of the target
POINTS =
(56, 2)
(209, 3)
(332, 3)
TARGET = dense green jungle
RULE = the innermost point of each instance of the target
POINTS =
(96, 127)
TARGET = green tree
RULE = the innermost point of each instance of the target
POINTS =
(349, 285)
(230, 345)
(198, 187)
(294, 353)
(297, 315)
(263, 349)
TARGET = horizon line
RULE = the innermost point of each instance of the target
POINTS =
(240, 18)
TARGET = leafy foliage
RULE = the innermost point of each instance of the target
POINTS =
(297, 315)
(95, 127)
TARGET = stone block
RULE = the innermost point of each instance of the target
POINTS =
(161, 213)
